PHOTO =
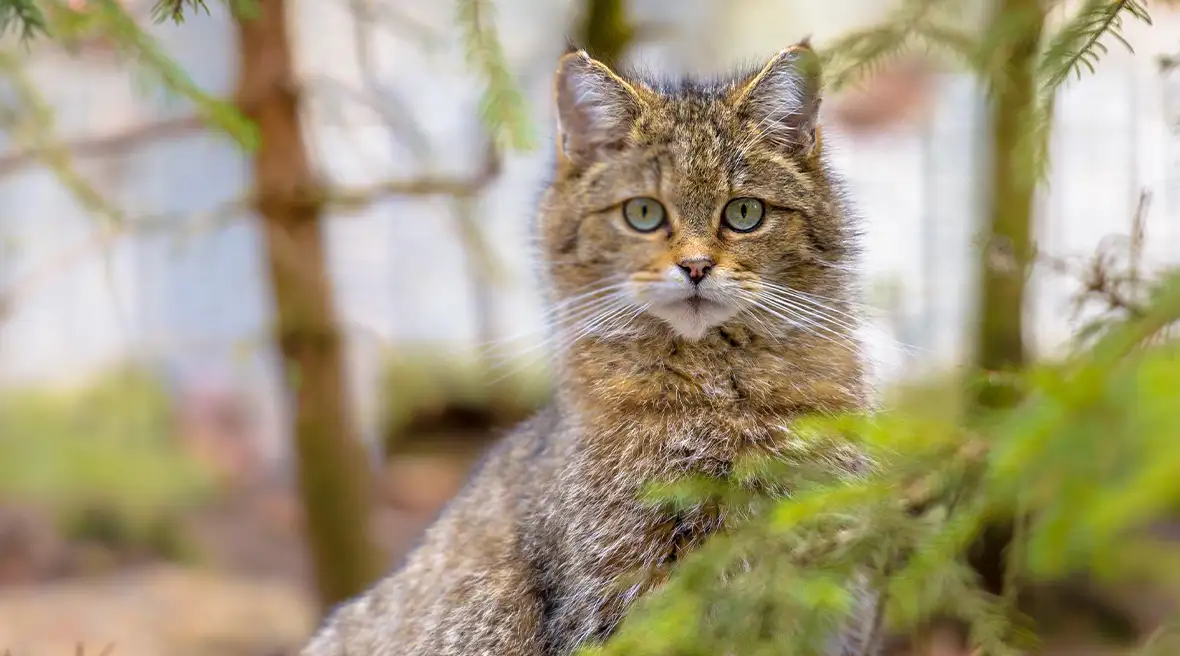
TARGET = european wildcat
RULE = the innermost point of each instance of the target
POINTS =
(698, 254)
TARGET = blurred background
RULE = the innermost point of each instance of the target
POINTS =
(148, 493)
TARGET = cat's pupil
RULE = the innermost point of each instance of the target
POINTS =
(744, 210)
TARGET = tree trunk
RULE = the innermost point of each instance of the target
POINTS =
(1006, 254)
(605, 31)
(334, 473)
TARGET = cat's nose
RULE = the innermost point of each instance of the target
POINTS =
(696, 268)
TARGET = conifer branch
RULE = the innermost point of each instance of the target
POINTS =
(1073, 50)
(1078, 44)
(174, 10)
(861, 53)
(107, 145)
(138, 46)
(29, 20)
(31, 122)
(23, 15)
(503, 105)
(110, 19)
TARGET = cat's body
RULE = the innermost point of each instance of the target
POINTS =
(683, 348)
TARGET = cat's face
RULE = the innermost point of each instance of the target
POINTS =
(696, 205)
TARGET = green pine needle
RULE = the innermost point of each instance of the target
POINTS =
(503, 106)
(24, 16)
(862, 53)
(29, 21)
(1078, 44)
(138, 46)
(174, 10)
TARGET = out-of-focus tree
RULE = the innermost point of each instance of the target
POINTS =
(605, 30)
(289, 199)
(1006, 252)
(334, 472)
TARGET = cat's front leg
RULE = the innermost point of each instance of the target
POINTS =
(493, 611)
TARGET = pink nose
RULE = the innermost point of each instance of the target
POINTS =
(696, 268)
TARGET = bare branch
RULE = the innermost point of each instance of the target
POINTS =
(32, 122)
(224, 214)
(398, 22)
(361, 197)
(108, 145)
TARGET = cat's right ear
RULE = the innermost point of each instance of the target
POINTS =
(596, 108)
(783, 99)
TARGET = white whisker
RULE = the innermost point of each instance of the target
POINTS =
(815, 309)
(797, 318)
(860, 321)
(580, 321)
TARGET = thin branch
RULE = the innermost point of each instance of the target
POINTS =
(364, 196)
(32, 282)
(391, 108)
(33, 122)
(396, 21)
(230, 212)
(108, 145)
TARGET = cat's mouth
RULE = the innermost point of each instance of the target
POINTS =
(700, 303)
(694, 315)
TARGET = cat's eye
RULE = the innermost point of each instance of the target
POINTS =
(743, 214)
(644, 214)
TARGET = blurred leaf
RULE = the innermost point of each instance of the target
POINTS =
(174, 10)
(24, 16)
(110, 444)
(503, 105)
(136, 45)
(1078, 44)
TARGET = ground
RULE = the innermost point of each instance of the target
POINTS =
(246, 593)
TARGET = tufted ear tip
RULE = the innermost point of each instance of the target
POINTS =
(784, 97)
(572, 54)
(595, 107)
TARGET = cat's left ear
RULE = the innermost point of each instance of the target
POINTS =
(783, 99)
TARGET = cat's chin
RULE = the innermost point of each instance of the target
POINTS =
(692, 318)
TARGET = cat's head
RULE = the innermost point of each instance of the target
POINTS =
(692, 205)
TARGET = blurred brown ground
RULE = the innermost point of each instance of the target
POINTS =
(246, 590)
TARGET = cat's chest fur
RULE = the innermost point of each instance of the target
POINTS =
(609, 544)
(649, 412)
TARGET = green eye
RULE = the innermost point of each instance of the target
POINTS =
(744, 214)
(644, 214)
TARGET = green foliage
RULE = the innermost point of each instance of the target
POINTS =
(503, 105)
(174, 9)
(28, 18)
(104, 458)
(23, 15)
(915, 24)
(108, 19)
(1078, 44)
(935, 26)
(1091, 456)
